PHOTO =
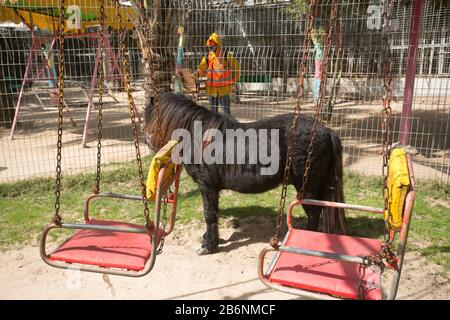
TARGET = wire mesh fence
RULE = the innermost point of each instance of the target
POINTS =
(265, 37)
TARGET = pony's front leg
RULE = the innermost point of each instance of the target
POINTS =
(211, 212)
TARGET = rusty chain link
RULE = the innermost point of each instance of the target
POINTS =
(362, 274)
(303, 64)
(369, 261)
(150, 60)
(164, 219)
(57, 218)
(322, 89)
(387, 255)
(274, 241)
(160, 135)
(100, 85)
(132, 109)
(386, 123)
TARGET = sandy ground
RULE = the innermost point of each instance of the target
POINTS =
(180, 274)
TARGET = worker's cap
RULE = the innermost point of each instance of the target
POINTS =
(213, 40)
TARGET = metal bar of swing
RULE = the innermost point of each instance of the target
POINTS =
(164, 186)
(322, 254)
(118, 195)
(328, 255)
(322, 203)
(154, 235)
(79, 226)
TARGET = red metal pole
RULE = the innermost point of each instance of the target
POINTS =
(24, 81)
(91, 97)
(405, 124)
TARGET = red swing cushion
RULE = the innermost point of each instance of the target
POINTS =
(334, 277)
(106, 249)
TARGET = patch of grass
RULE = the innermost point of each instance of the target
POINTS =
(431, 221)
(27, 206)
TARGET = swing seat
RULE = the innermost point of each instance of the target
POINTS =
(107, 249)
(327, 266)
(329, 276)
(113, 247)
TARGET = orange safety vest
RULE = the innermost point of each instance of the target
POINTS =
(218, 74)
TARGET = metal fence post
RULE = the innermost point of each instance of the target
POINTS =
(405, 124)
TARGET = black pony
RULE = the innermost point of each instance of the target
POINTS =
(325, 174)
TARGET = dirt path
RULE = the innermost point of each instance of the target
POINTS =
(180, 274)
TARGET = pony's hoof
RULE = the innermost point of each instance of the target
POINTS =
(203, 251)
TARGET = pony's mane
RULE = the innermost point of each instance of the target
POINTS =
(178, 112)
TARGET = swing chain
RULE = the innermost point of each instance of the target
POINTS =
(274, 241)
(380, 260)
(152, 77)
(362, 274)
(387, 255)
(322, 90)
(132, 107)
(100, 85)
(153, 102)
(163, 236)
(386, 123)
(337, 72)
(369, 261)
(306, 46)
(57, 218)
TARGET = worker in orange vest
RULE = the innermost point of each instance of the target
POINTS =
(222, 71)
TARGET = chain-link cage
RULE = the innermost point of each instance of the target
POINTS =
(265, 37)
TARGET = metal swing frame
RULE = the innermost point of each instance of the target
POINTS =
(152, 228)
(408, 203)
(161, 189)
(403, 236)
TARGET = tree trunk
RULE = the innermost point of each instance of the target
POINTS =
(156, 32)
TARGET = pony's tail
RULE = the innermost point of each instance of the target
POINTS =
(333, 219)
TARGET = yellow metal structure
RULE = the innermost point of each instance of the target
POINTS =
(80, 14)
(161, 159)
(398, 185)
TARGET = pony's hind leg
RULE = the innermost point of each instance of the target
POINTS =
(313, 213)
(210, 242)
